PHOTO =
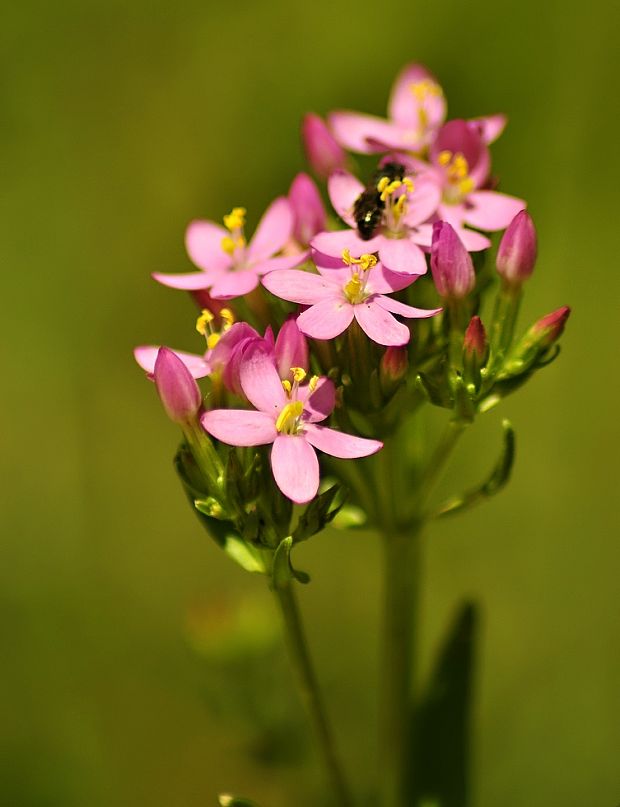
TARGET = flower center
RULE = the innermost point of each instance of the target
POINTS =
(456, 169)
(234, 244)
(394, 195)
(288, 419)
(355, 287)
(205, 326)
(422, 91)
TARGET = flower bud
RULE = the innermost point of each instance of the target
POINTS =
(549, 328)
(451, 264)
(291, 349)
(475, 351)
(516, 255)
(393, 366)
(308, 209)
(323, 153)
(176, 387)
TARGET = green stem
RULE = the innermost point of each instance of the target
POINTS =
(309, 690)
(440, 456)
(505, 314)
(401, 576)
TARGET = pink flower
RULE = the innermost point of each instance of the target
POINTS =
(517, 251)
(176, 387)
(460, 166)
(309, 213)
(323, 153)
(401, 230)
(357, 289)
(416, 110)
(288, 417)
(230, 266)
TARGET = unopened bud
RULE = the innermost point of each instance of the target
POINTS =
(393, 367)
(451, 264)
(516, 255)
(549, 328)
(176, 387)
(475, 351)
(323, 153)
(538, 339)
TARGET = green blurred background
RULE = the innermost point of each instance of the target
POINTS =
(121, 121)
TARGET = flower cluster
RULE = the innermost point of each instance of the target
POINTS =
(306, 325)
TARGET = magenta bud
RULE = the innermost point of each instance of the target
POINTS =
(475, 344)
(549, 328)
(323, 153)
(451, 264)
(291, 349)
(393, 366)
(176, 386)
(308, 209)
(516, 255)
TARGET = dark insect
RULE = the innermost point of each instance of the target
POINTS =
(368, 207)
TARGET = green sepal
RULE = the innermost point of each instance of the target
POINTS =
(193, 485)
(494, 483)
(248, 556)
(464, 407)
(434, 389)
(321, 510)
(282, 571)
(212, 508)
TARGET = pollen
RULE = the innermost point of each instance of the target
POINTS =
(235, 220)
(204, 320)
(298, 374)
(228, 318)
(287, 419)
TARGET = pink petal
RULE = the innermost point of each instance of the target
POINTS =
(240, 427)
(379, 325)
(280, 262)
(260, 381)
(333, 244)
(190, 281)
(490, 210)
(403, 310)
(402, 255)
(343, 189)
(318, 404)
(146, 356)
(422, 235)
(308, 210)
(491, 126)
(234, 284)
(298, 286)
(338, 444)
(359, 132)
(326, 319)
(291, 349)
(473, 241)
(295, 467)
(382, 281)
(424, 200)
(273, 230)
(404, 107)
(203, 241)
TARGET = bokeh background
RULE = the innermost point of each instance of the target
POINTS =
(139, 666)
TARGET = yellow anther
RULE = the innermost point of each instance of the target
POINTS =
(228, 245)
(212, 340)
(366, 261)
(313, 383)
(227, 317)
(444, 157)
(288, 416)
(459, 167)
(466, 186)
(203, 321)
(382, 184)
(400, 206)
(408, 183)
(346, 257)
(389, 189)
(298, 374)
(235, 219)
(287, 386)
(422, 89)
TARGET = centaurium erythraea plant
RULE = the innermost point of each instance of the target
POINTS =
(325, 349)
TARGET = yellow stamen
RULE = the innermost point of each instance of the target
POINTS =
(235, 220)
(365, 261)
(287, 386)
(400, 205)
(288, 416)
(466, 186)
(422, 89)
(353, 287)
(459, 167)
(382, 184)
(228, 245)
(227, 317)
(313, 382)
(212, 340)
(203, 321)
(298, 374)
(388, 190)
(444, 157)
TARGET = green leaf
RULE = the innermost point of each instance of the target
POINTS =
(494, 483)
(246, 555)
(282, 572)
(321, 510)
(441, 726)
